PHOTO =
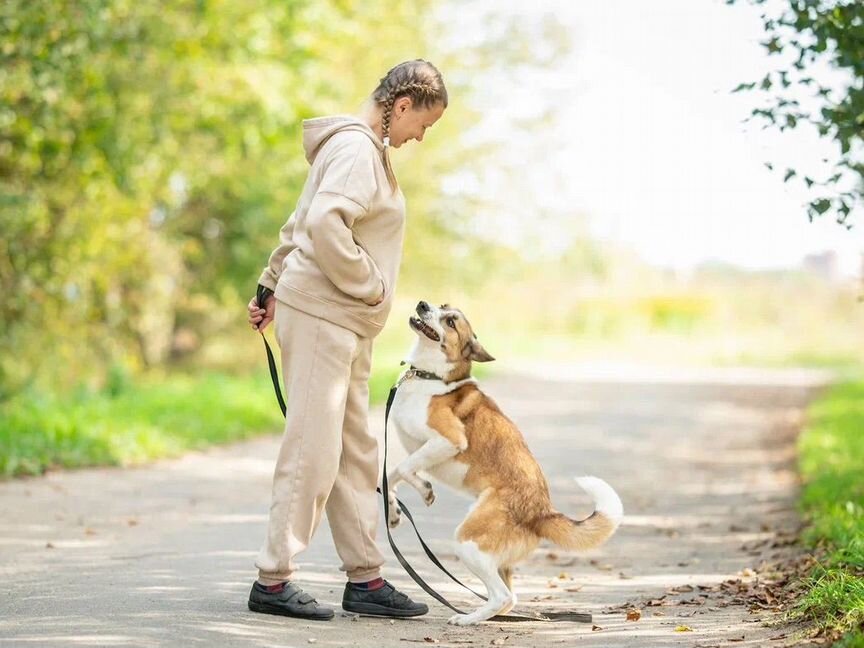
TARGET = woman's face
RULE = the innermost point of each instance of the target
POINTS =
(407, 123)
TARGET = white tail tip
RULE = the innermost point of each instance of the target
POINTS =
(606, 500)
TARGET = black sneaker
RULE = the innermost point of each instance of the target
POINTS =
(385, 601)
(291, 601)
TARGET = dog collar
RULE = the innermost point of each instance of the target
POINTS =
(414, 372)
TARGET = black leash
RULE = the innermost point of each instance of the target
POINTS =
(548, 616)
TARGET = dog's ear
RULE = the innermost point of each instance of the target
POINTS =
(478, 353)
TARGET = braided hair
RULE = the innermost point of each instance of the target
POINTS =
(417, 79)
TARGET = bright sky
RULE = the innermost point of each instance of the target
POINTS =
(646, 141)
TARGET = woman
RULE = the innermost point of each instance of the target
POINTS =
(329, 288)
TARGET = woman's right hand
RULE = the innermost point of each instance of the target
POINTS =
(259, 317)
(381, 298)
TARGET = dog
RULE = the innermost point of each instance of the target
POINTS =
(456, 434)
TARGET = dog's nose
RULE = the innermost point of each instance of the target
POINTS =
(423, 307)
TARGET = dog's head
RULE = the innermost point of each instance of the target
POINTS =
(446, 343)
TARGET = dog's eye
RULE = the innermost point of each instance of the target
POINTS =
(451, 323)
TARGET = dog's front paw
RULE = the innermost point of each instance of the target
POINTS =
(462, 620)
(428, 493)
(395, 516)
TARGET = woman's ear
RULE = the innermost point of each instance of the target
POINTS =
(402, 105)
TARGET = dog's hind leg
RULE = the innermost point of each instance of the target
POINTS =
(485, 566)
(506, 574)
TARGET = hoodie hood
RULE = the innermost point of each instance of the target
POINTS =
(318, 130)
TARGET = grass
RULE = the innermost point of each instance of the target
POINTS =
(158, 417)
(831, 450)
(162, 415)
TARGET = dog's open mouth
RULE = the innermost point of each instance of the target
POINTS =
(419, 325)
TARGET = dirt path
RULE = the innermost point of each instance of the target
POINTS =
(162, 555)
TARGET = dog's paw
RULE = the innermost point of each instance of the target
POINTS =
(395, 519)
(428, 493)
(463, 620)
(395, 516)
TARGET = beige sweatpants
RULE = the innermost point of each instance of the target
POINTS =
(328, 459)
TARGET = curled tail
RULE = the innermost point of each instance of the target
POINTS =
(593, 530)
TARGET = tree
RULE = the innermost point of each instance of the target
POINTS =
(807, 34)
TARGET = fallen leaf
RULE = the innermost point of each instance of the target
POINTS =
(497, 641)
(552, 556)
(576, 588)
(634, 615)
(595, 628)
(563, 576)
(683, 628)
(48, 545)
(682, 588)
(89, 531)
(132, 522)
(736, 639)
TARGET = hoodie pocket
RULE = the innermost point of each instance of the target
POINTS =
(383, 283)
(376, 270)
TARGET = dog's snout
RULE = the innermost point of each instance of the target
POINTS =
(423, 307)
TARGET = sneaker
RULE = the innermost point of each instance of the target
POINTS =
(291, 601)
(384, 601)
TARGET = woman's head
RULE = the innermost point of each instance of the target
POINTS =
(411, 97)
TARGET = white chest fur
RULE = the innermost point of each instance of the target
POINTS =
(409, 416)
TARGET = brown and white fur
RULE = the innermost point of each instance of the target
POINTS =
(456, 434)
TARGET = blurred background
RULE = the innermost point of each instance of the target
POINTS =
(664, 184)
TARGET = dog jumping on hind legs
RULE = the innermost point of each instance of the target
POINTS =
(457, 435)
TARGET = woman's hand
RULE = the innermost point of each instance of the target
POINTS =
(381, 298)
(259, 317)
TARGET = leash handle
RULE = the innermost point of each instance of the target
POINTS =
(261, 296)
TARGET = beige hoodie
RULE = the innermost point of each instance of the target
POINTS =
(342, 246)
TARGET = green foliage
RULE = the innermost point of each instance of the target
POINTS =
(139, 422)
(831, 462)
(807, 34)
(149, 153)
